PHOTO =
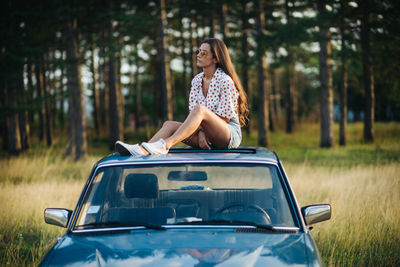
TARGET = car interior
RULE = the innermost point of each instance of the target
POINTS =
(136, 197)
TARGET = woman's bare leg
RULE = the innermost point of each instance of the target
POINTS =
(215, 128)
(168, 129)
(192, 140)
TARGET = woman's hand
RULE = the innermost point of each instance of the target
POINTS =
(204, 143)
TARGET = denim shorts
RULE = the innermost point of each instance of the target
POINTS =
(236, 133)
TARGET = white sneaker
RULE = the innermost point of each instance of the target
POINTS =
(155, 148)
(127, 150)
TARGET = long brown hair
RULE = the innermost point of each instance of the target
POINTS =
(221, 54)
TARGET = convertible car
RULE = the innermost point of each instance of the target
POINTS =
(187, 208)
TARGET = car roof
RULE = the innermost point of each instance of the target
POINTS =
(187, 154)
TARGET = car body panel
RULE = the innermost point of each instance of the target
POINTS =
(183, 247)
(244, 154)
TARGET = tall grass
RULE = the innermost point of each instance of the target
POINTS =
(360, 181)
(28, 185)
(24, 236)
(44, 167)
(364, 229)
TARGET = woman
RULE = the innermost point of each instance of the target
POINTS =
(217, 105)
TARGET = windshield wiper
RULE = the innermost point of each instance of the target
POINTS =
(120, 224)
(267, 227)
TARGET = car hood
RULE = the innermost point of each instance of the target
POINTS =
(183, 247)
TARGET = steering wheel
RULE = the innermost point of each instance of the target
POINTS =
(246, 207)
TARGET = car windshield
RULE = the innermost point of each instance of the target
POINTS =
(173, 194)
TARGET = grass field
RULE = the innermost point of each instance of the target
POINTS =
(360, 181)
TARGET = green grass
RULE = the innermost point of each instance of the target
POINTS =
(303, 145)
(361, 181)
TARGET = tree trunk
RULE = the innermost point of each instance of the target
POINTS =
(76, 112)
(11, 74)
(289, 68)
(192, 45)
(368, 75)
(71, 136)
(120, 97)
(39, 88)
(113, 86)
(137, 89)
(95, 94)
(289, 97)
(276, 106)
(103, 79)
(14, 141)
(343, 81)
(263, 116)
(166, 91)
(3, 116)
(271, 117)
(185, 84)
(222, 8)
(114, 116)
(14, 137)
(46, 104)
(212, 19)
(198, 39)
(31, 89)
(24, 129)
(245, 61)
(325, 77)
(61, 99)
(52, 91)
(343, 103)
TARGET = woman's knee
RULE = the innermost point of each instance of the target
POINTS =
(199, 110)
(171, 125)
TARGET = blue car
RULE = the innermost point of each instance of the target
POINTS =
(187, 208)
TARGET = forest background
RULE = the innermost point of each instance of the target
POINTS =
(322, 79)
(115, 66)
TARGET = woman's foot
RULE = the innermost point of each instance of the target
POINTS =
(126, 150)
(156, 148)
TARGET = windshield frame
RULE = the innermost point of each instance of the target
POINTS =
(286, 188)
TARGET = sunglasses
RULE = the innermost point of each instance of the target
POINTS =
(201, 53)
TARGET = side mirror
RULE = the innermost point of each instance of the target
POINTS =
(58, 217)
(316, 213)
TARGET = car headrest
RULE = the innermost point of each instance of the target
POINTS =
(141, 185)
